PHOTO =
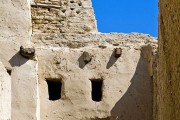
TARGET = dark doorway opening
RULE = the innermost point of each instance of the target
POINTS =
(96, 92)
(54, 89)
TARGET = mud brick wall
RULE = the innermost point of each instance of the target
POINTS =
(168, 90)
(63, 16)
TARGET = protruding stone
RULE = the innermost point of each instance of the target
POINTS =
(86, 57)
(118, 52)
(27, 52)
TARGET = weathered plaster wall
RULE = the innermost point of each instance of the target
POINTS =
(5, 94)
(16, 20)
(127, 81)
(168, 90)
(24, 90)
(15, 30)
(15, 27)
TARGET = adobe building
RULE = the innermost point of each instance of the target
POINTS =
(55, 65)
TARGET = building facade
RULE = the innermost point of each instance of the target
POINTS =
(57, 66)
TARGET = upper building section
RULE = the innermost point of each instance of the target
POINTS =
(63, 16)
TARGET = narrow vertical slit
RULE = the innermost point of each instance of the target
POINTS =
(96, 92)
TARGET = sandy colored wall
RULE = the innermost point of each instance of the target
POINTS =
(5, 94)
(15, 27)
(63, 16)
(168, 91)
(127, 81)
(15, 30)
(16, 20)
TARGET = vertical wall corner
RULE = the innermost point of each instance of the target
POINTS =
(5, 94)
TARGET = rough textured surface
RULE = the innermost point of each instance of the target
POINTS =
(16, 20)
(127, 84)
(15, 30)
(5, 94)
(63, 16)
(127, 81)
(62, 31)
(15, 27)
(27, 52)
(168, 90)
(134, 40)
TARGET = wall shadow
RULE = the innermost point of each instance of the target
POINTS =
(82, 64)
(17, 60)
(137, 102)
(111, 61)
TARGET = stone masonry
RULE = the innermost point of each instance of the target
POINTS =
(56, 65)
(63, 16)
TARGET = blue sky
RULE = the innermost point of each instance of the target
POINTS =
(127, 16)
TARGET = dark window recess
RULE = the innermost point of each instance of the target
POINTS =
(54, 89)
(96, 93)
